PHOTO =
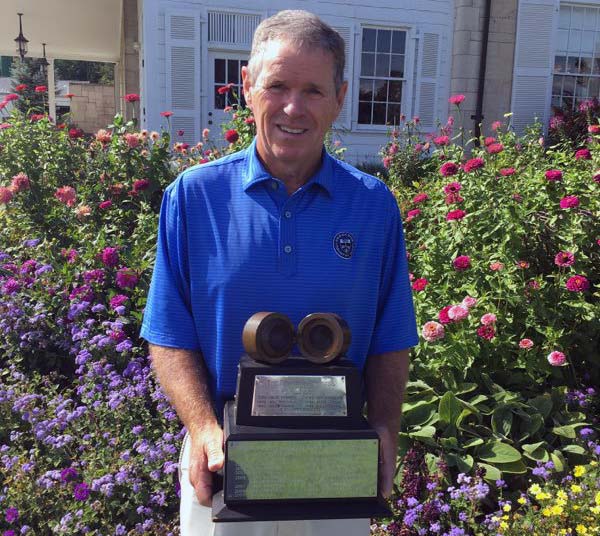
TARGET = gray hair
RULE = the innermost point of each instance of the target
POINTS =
(300, 28)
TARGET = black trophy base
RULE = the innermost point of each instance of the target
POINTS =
(277, 511)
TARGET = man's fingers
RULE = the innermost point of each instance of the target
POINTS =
(214, 454)
(203, 487)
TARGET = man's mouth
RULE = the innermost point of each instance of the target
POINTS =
(289, 130)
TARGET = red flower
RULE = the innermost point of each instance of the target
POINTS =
(455, 215)
(6, 194)
(20, 182)
(441, 140)
(36, 117)
(592, 129)
(473, 164)
(20, 87)
(583, 154)
(461, 263)
(249, 120)
(486, 332)
(448, 169)
(569, 201)
(70, 95)
(132, 97)
(232, 135)
(495, 148)
(420, 284)
(75, 133)
(66, 195)
(11, 97)
(412, 214)
(224, 89)
(443, 315)
(453, 198)
(105, 204)
(452, 188)
(554, 175)
(456, 99)
(419, 198)
(140, 184)
(489, 140)
(507, 172)
(40, 89)
(577, 283)
(564, 259)
(166, 114)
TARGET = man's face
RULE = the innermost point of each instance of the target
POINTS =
(294, 102)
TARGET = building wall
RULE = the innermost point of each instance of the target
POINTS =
(466, 54)
(131, 56)
(93, 106)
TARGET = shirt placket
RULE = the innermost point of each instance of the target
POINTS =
(288, 251)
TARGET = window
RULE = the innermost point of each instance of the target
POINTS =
(576, 74)
(227, 71)
(383, 54)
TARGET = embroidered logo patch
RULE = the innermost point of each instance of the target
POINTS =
(343, 243)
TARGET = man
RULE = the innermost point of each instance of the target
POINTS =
(281, 226)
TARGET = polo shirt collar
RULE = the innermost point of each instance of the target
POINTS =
(256, 171)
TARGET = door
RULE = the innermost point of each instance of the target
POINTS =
(224, 68)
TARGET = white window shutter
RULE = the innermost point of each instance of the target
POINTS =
(534, 58)
(344, 120)
(427, 86)
(182, 41)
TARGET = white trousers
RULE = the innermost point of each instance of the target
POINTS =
(196, 519)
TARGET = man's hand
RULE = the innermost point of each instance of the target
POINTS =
(206, 457)
(388, 448)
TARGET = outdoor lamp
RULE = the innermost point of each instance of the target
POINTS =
(44, 62)
(21, 40)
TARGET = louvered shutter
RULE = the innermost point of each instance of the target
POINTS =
(427, 86)
(182, 41)
(344, 120)
(534, 56)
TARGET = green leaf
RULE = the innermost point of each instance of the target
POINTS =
(517, 467)
(542, 403)
(473, 443)
(498, 452)
(419, 415)
(574, 449)
(568, 430)
(558, 460)
(491, 473)
(502, 419)
(449, 409)
(425, 435)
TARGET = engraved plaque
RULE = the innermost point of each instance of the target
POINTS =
(302, 469)
(296, 395)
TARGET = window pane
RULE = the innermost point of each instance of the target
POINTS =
(368, 40)
(560, 64)
(364, 113)
(393, 114)
(569, 86)
(587, 43)
(382, 65)
(574, 41)
(395, 94)
(555, 102)
(568, 103)
(589, 22)
(367, 67)
(384, 40)
(596, 66)
(233, 71)
(557, 85)
(572, 64)
(379, 114)
(577, 18)
(581, 87)
(380, 90)
(219, 99)
(397, 66)
(398, 42)
(366, 90)
(564, 19)
(243, 63)
(585, 65)
(562, 40)
(594, 90)
(220, 72)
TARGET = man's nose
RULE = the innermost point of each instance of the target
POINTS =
(295, 104)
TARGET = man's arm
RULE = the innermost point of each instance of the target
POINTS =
(385, 377)
(183, 377)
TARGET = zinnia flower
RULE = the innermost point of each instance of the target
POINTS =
(412, 214)
(496, 125)
(525, 344)
(486, 332)
(126, 278)
(132, 140)
(118, 300)
(557, 359)
(140, 184)
(594, 129)
(448, 169)
(456, 99)
(452, 188)
(105, 204)
(103, 136)
(66, 195)
(132, 97)
(583, 154)
(488, 318)
(166, 114)
(441, 140)
(469, 301)
(455, 215)
(6, 194)
(461, 263)
(569, 201)
(458, 312)
(554, 175)
(564, 259)
(473, 164)
(419, 198)
(577, 283)
(443, 315)
(495, 148)
(507, 172)
(496, 266)
(11, 97)
(40, 89)
(75, 133)
(20, 87)
(110, 256)
(433, 331)
(420, 284)
(232, 135)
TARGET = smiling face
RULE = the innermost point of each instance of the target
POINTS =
(294, 102)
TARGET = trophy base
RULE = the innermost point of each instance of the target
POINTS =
(289, 511)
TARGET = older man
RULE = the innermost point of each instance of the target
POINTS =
(281, 226)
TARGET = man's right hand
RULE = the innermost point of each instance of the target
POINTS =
(206, 457)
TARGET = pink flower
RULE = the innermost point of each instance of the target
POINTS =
(441, 140)
(40, 89)
(577, 283)
(11, 97)
(6, 195)
(496, 125)
(507, 172)
(569, 201)
(495, 148)
(486, 332)
(103, 136)
(554, 175)
(387, 162)
(473, 164)
(132, 140)
(250, 120)
(205, 133)
(166, 114)
(419, 198)
(20, 87)
(224, 89)
(126, 278)
(448, 169)
(564, 259)
(583, 154)
(117, 300)
(523, 265)
(433, 331)
(132, 97)
(451, 199)
(443, 315)
(594, 129)
(232, 135)
(140, 184)
(496, 266)
(456, 99)
(20, 182)
(110, 257)
(66, 195)
(105, 204)
(452, 188)
(75, 133)
(557, 359)
(597, 177)
(489, 140)
(488, 319)
(525, 344)
(392, 150)
(455, 215)
(420, 284)
(461, 263)
(458, 312)
(469, 301)
(412, 214)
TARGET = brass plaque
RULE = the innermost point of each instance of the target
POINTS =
(311, 396)
(302, 469)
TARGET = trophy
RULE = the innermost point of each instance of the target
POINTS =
(296, 443)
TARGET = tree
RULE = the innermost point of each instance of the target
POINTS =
(29, 72)
(90, 71)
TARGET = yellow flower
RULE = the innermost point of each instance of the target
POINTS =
(557, 510)
(597, 498)
(576, 488)
(506, 507)
(523, 500)
(595, 509)
(562, 495)
(535, 489)
(579, 471)
(543, 495)
(581, 529)
(504, 525)
(547, 512)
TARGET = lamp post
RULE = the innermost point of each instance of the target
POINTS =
(21, 40)
(44, 62)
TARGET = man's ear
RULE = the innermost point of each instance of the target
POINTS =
(340, 96)
(247, 85)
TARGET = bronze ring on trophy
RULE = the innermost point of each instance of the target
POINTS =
(268, 337)
(323, 337)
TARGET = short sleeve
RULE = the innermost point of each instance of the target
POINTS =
(395, 325)
(168, 319)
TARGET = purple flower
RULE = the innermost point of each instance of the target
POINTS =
(11, 515)
(81, 491)
(118, 300)
(585, 432)
(31, 243)
(126, 278)
(68, 474)
(8, 532)
(110, 257)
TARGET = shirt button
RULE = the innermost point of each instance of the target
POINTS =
(287, 214)
(274, 185)
(287, 249)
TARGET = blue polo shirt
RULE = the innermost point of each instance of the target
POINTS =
(232, 242)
